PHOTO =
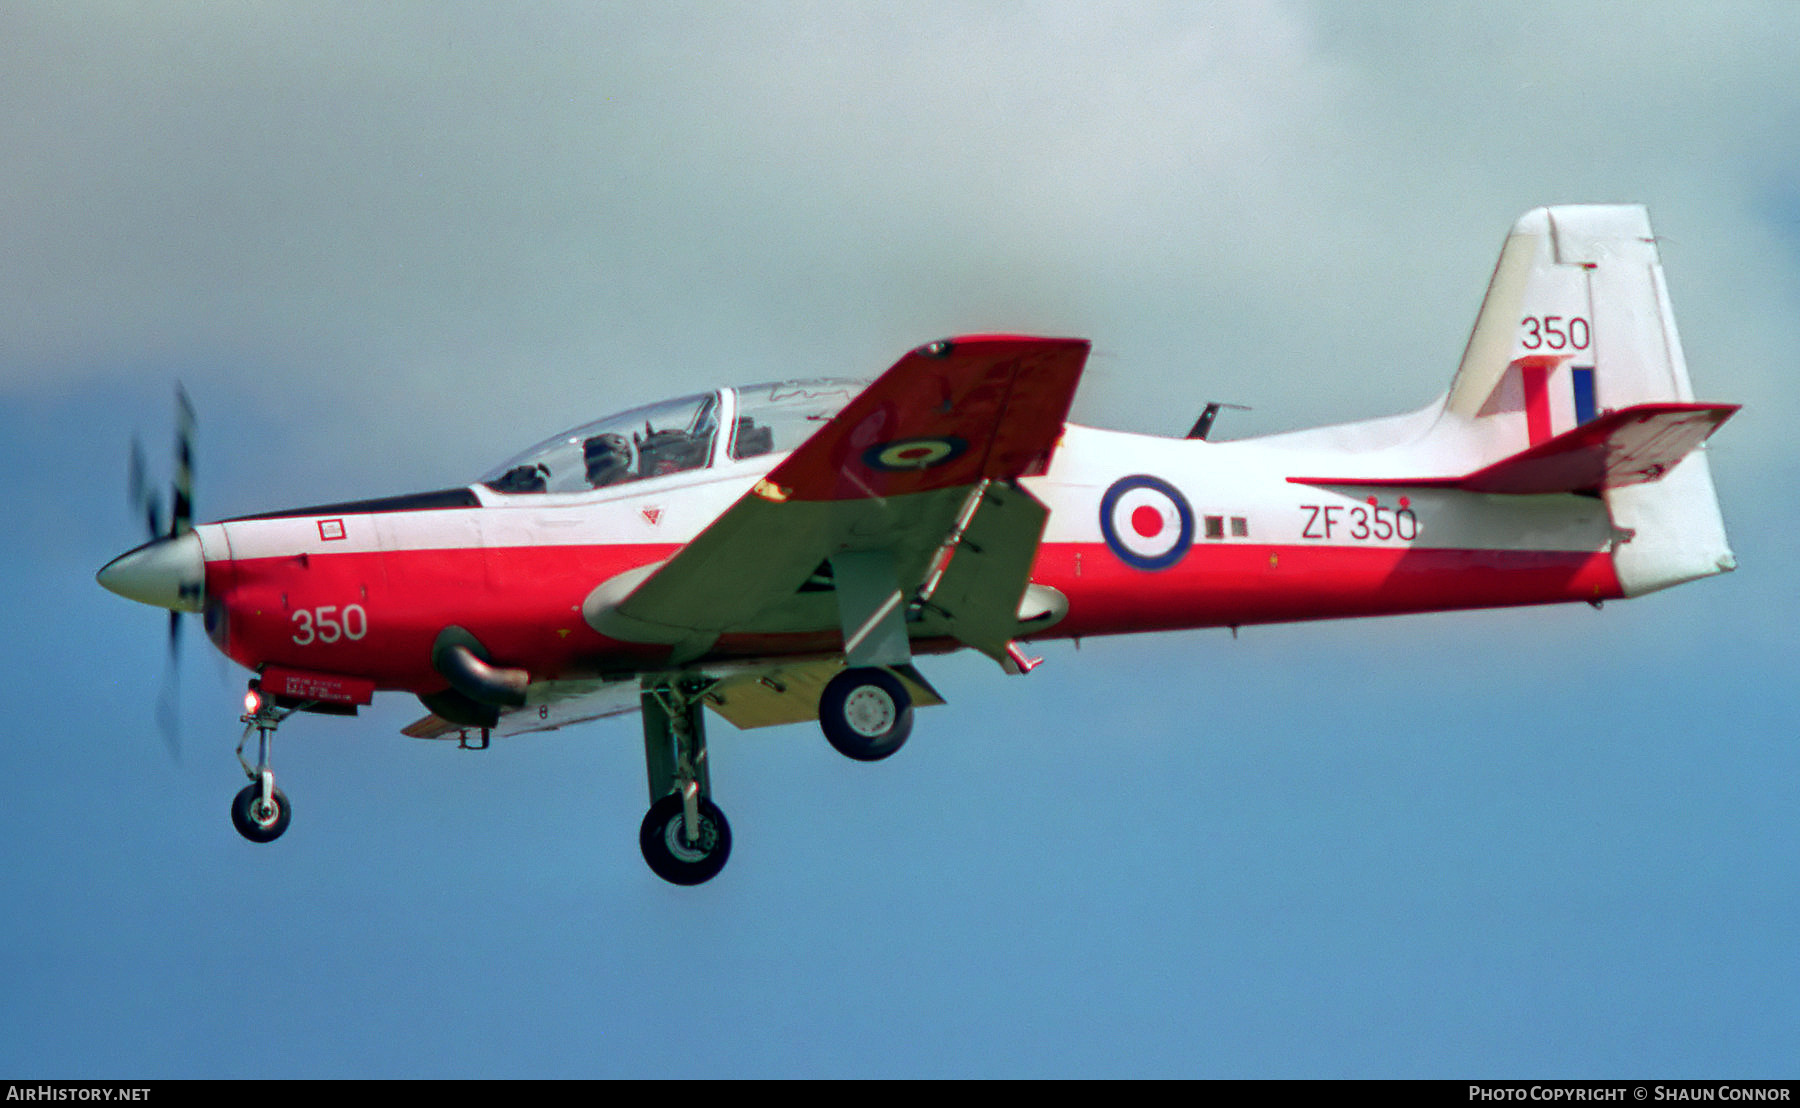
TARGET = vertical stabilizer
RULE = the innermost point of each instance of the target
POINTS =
(1528, 373)
(1577, 323)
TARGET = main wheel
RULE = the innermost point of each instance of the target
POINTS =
(671, 856)
(866, 713)
(259, 822)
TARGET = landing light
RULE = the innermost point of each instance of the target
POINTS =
(252, 702)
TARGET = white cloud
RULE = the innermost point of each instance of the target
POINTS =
(493, 218)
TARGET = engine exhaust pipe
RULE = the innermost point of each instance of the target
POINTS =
(461, 660)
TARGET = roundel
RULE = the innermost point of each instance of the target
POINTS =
(1146, 522)
(909, 454)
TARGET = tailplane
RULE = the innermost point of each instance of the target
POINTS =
(1632, 446)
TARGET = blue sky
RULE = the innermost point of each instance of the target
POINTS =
(384, 249)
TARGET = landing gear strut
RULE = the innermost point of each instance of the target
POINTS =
(684, 837)
(260, 811)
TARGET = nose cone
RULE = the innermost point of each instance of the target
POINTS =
(167, 573)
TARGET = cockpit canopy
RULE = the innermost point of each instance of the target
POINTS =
(675, 436)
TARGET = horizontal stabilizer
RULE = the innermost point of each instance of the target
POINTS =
(1631, 446)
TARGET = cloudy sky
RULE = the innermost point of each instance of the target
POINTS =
(385, 247)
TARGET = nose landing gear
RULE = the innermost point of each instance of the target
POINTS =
(260, 812)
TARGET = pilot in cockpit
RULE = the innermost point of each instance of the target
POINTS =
(522, 478)
(608, 459)
(671, 451)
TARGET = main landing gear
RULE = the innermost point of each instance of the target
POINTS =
(865, 711)
(866, 714)
(260, 811)
(684, 837)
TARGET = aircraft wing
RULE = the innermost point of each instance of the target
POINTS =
(879, 494)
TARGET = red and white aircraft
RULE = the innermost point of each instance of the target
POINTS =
(784, 552)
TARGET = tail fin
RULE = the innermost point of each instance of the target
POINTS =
(1577, 325)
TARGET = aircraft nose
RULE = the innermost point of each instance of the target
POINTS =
(167, 573)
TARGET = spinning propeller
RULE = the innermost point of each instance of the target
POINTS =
(167, 570)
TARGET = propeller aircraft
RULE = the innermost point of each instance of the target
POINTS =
(787, 552)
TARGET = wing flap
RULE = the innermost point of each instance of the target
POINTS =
(980, 591)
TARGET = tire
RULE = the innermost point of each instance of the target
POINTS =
(866, 714)
(258, 826)
(671, 857)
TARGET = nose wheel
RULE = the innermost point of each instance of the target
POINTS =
(259, 818)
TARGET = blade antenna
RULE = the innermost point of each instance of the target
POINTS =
(1203, 426)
